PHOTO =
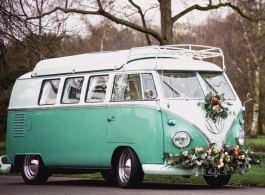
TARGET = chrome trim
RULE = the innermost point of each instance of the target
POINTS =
(172, 138)
(188, 122)
(237, 137)
(73, 106)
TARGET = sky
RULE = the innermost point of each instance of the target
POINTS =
(196, 17)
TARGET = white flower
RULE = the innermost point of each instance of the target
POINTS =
(204, 155)
(185, 153)
(198, 163)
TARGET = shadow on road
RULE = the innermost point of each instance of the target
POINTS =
(145, 185)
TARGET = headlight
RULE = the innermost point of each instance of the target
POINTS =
(181, 139)
(240, 137)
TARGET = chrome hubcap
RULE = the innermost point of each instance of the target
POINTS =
(31, 166)
(124, 167)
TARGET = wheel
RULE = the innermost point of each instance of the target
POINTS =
(34, 171)
(109, 176)
(129, 171)
(217, 181)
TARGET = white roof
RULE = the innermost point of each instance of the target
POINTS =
(186, 57)
(81, 63)
(181, 64)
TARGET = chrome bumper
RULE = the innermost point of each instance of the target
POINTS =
(4, 168)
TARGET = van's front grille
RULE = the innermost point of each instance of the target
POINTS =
(19, 124)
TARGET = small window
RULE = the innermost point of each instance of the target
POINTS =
(149, 86)
(97, 86)
(72, 90)
(127, 87)
(49, 90)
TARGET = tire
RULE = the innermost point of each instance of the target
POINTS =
(129, 171)
(109, 176)
(33, 170)
(218, 181)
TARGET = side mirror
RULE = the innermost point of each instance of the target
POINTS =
(248, 99)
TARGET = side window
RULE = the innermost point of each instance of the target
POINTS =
(149, 86)
(49, 90)
(97, 86)
(127, 87)
(72, 90)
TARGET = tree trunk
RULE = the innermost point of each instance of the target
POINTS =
(260, 124)
(166, 22)
(256, 107)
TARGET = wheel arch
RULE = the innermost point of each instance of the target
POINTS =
(19, 158)
(116, 153)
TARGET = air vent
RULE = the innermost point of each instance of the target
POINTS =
(19, 124)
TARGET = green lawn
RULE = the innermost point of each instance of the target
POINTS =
(255, 177)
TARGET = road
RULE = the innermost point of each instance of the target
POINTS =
(14, 185)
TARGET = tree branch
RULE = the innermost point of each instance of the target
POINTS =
(102, 12)
(210, 6)
(142, 19)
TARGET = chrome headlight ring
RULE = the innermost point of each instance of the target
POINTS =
(181, 139)
(240, 137)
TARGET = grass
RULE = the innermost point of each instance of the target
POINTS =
(2, 145)
(258, 145)
(255, 177)
(2, 148)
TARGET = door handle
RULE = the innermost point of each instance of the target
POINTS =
(111, 119)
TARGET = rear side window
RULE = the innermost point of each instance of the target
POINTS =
(97, 86)
(127, 87)
(72, 90)
(49, 90)
(133, 87)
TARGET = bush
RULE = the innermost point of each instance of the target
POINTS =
(4, 101)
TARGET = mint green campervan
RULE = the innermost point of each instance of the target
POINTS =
(120, 112)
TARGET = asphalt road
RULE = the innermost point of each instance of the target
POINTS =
(14, 185)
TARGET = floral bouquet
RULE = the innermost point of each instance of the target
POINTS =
(229, 160)
(214, 106)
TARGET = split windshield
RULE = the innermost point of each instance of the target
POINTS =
(177, 85)
(187, 85)
(217, 84)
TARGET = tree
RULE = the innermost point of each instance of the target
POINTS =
(122, 12)
(242, 41)
(249, 41)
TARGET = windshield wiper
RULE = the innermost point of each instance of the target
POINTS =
(175, 90)
(216, 92)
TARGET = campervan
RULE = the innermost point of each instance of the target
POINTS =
(123, 114)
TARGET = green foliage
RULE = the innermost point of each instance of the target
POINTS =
(6, 83)
(258, 144)
(214, 106)
(4, 101)
(229, 160)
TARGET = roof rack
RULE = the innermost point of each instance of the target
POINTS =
(199, 52)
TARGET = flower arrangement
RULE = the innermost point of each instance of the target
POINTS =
(228, 160)
(214, 106)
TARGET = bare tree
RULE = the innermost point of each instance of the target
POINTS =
(244, 47)
(121, 11)
(243, 42)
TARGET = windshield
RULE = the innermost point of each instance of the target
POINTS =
(177, 85)
(217, 84)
